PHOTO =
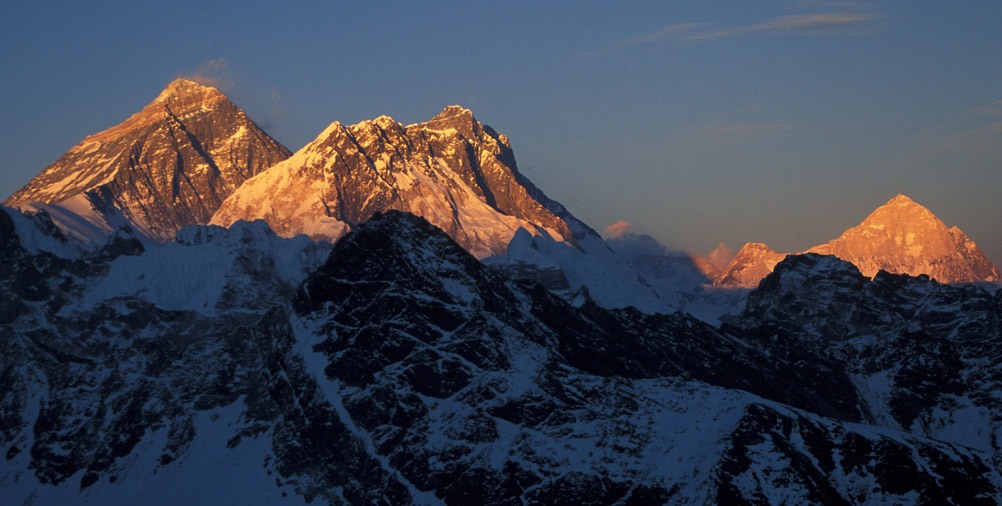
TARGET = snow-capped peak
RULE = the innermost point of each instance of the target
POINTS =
(451, 170)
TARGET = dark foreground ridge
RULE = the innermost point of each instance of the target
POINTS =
(402, 370)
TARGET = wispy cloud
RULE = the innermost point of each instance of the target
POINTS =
(215, 73)
(826, 23)
(618, 229)
(667, 32)
(813, 24)
(978, 142)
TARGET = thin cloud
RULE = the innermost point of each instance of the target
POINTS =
(617, 229)
(215, 73)
(827, 23)
(815, 24)
(667, 32)
(980, 142)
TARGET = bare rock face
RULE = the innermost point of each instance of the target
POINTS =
(455, 172)
(168, 166)
(900, 237)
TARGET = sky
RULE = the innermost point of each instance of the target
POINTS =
(694, 122)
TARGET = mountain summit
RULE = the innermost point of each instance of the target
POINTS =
(452, 170)
(165, 167)
(900, 237)
(903, 237)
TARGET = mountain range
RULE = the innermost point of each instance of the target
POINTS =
(395, 315)
(900, 237)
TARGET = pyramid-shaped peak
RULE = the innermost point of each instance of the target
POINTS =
(186, 90)
(385, 121)
(902, 210)
(902, 200)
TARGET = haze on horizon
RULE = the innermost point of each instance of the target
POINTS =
(783, 123)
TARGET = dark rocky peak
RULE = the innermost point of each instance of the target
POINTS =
(399, 274)
(812, 271)
(820, 292)
(401, 253)
(820, 297)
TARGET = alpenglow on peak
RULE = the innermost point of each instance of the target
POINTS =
(167, 166)
(454, 171)
(900, 237)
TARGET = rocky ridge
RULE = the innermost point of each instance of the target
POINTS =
(425, 377)
(923, 356)
(452, 170)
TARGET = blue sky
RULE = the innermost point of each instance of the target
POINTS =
(697, 122)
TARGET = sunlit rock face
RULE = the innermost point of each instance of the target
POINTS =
(455, 172)
(168, 166)
(900, 237)
(752, 263)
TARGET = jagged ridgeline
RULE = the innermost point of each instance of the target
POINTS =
(457, 173)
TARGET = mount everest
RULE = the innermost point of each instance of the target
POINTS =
(168, 166)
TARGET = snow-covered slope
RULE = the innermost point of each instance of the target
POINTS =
(924, 357)
(404, 371)
(900, 237)
(168, 166)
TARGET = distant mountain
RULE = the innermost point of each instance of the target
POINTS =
(715, 261)
(168, 166)
(900, 237)
(752, 263)
(455, 172)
